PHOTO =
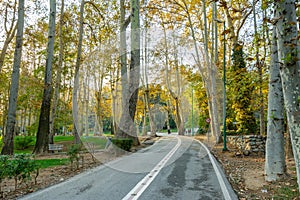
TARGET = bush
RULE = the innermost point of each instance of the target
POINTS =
(23, 142)
(74, 154)
(123, 143)
(201, 131)
(3, 169)
(19, 167)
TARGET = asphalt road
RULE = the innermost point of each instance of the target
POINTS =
(173, 168)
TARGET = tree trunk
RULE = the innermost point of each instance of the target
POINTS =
(288, 47)
(126, 126)
(42, 137)
(259, 67)
(8, 139)
(58, 75)
(134, 74)
(76, 79)
(147, 91)
(123, 125)
(275, 165)
(10, 33)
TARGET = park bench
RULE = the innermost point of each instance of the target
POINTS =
(55, 147)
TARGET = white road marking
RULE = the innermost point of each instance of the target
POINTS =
(136, 192)
(218, 173)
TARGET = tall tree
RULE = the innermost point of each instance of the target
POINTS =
(240, 90)
(260, 73)
(76, 78)
(42, 137)
(58, 75)
(275, 165)
(130, 79)
(134, 69)
(288, 47)
(8, 140)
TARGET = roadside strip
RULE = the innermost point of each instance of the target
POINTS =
(218, 173)
(136, 192)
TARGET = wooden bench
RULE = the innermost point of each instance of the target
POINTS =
(55, 147)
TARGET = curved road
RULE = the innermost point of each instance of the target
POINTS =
(173, 168)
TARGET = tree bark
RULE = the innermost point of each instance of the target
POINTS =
(130, 80)
(8, 139)
(259, 68)
(76, 78)
(134, 74)
(42, 137)
(58, 75)
(288, 46)
(123, 125)
(275, 165)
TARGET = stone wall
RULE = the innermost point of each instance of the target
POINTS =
(248, 143)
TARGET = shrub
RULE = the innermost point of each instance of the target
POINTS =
(123, 143)
(74, 154)
(3, 169)
(23, 142)
(20, 168)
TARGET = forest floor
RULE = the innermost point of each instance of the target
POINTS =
(245, 173)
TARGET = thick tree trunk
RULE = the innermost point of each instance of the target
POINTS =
(42, 137)
(123, 125)
(130, 81)
(275, 165)
(134, 65)
(288, 46)
(8, 139)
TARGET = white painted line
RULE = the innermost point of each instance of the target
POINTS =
(218, 173)
(136, 192)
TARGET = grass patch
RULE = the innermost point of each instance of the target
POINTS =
(61, 138)
(287, 192)
(45, 163)
(97, 142)
(29, 150)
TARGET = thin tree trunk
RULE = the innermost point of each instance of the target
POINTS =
(76, 78)
(275, 165)
(42, 137)
(10, 33)
(58, 75)
(8, 139)
(147, 91)
(259, 67)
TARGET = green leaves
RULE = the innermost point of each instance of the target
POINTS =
(19, 167)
